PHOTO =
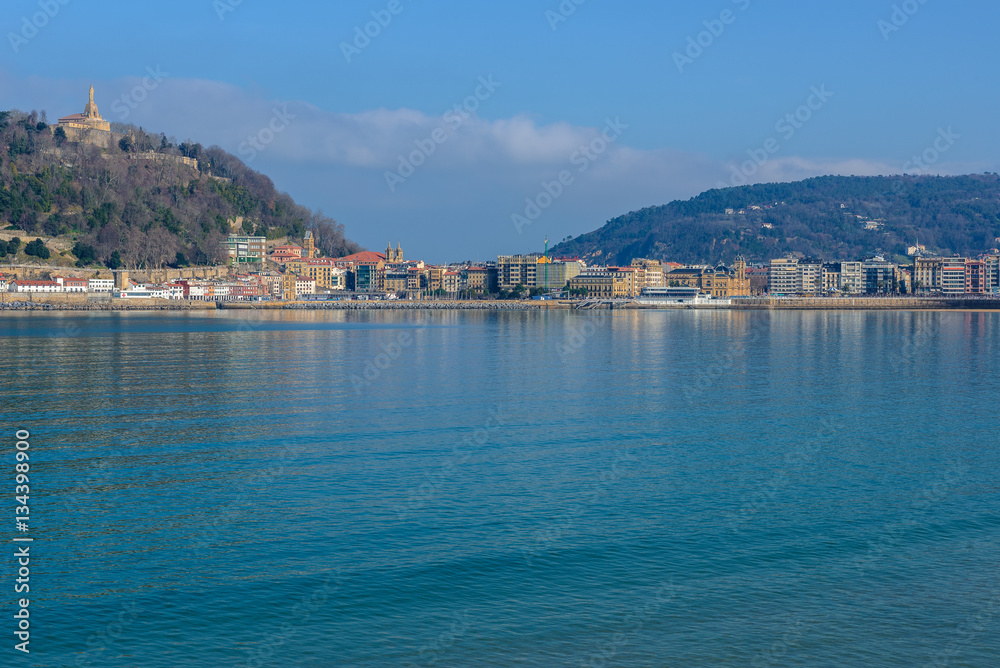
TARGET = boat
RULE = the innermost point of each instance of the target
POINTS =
(678, 296)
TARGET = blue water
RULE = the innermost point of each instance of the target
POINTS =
(506, 489)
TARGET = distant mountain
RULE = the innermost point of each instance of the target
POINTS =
(831, 217)
(140, 200)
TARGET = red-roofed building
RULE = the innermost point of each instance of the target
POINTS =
(283, 254)
(70, 284)
(21, 285)
(364, 257)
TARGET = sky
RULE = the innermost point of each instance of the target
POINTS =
(467, 130)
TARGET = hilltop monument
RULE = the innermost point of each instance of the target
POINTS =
(88, 127)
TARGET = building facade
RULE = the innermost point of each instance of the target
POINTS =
(246, 249)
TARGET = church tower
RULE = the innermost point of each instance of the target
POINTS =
(399, 252)
(310, 245)
(742, 283)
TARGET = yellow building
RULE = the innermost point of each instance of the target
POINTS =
(324, 271)
(653, 272)
(435, 278)
(608, 283)
(721, 282)
(88, 127)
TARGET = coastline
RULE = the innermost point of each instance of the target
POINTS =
(751, 304)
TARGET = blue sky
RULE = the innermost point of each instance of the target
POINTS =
(230, 69)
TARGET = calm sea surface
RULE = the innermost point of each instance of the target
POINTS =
(505, 489)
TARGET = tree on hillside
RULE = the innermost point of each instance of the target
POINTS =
(84, 254)
(37, 249)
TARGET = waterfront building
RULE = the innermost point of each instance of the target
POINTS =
(604, 283)
(304, 286)
(397, 279)
(514, 270)
(22, 285)
(555, 274)
(810, 276)
(653, 270)
(992, 263)
(881, 277)
(271, 284)
(793, 276)
(927, 274)
(70, 284)
(721, 282)
(975, 278)
(435, 278)
(831, 277)
(367, 278)
(100, 285)
(324, 271)
(953, 275)
(481, 279)
(451, 282)
(852, 277)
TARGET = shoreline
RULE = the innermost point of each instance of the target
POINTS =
(752, 304)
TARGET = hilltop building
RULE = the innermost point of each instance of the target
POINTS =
(89, 127)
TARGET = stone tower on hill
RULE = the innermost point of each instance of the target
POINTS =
(88, 127)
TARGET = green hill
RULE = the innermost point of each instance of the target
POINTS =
(137, 202)
(832, 217)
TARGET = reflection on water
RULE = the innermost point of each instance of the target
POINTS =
(511, 488)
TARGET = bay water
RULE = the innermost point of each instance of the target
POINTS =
(526, 488)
